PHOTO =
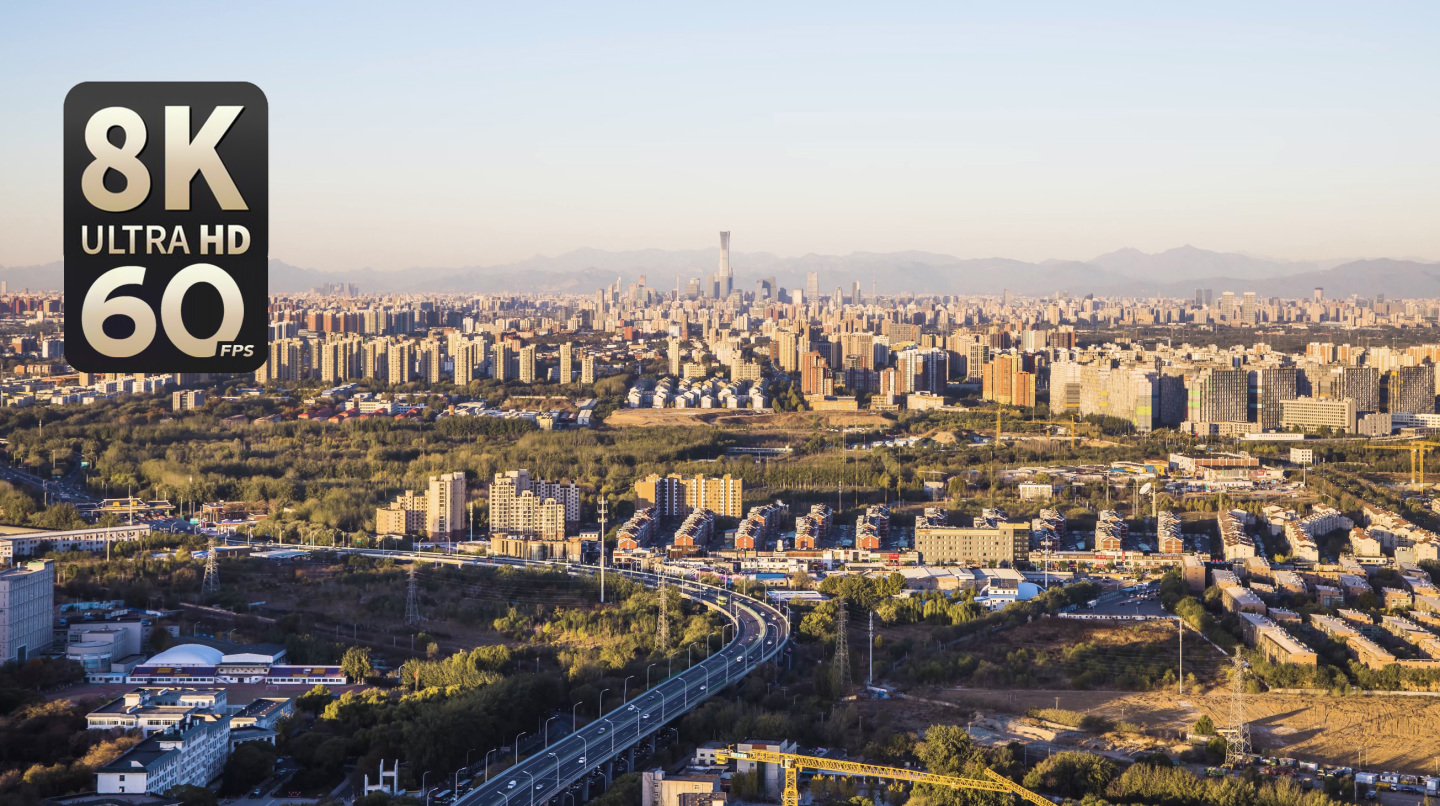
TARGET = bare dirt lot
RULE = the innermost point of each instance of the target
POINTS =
(1397, 733)
(632, 418)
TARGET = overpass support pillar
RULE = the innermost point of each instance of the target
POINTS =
(609, 773)
(631, 760)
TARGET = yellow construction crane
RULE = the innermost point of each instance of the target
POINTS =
(792, 764)
(1417, 452)
(1073, 425)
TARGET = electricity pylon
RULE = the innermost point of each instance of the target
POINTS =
(211, 583)
(412, 599)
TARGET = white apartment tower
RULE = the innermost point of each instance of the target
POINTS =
(445, 505)
(27, 610)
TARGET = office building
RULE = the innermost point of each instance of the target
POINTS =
(27, 610)
(1312, 414)
(979, 545)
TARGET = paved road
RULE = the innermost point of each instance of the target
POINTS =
(760, 632)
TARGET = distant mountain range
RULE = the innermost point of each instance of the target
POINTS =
(1126, 272)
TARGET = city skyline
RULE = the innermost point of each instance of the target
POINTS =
(485, 136)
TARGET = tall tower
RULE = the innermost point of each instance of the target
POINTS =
(841, 673)
(412, 599)
(211, 582)
(725, 277)
(1237, 738)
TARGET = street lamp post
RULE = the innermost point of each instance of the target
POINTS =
(601, 712)
(547, 729)
(625, 689)
(573, 723)
(647, 675)
(423, 788)
(532, 787)
(612, 733)
(517, 746)
(487, 764)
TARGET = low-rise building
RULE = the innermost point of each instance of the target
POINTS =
(190, 753)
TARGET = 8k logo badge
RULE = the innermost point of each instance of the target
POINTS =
(167, 226)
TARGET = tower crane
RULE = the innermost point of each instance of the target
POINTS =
(1417, 451)
(793, 763)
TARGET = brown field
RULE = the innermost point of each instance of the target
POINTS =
(632, 418)
(1397, 733)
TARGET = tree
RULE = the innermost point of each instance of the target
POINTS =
(945, 750)
(1071, 775)
(315, 699)
(356, 664)
(250, 764)
(192, 795)
(1204, 726)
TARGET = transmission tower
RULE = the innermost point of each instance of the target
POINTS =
(1237, 740)
(662, 626)
(412, 599)
(842, 649)
(211, 583)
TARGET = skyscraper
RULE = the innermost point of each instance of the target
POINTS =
(812, 286)
(724, 279)
(1249, 310)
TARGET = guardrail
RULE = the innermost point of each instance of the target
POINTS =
(697, 683)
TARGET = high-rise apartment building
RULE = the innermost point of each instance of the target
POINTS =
(1410, 390)
(1219, 396)
(816, 376)
(673, 352)
(587, 369)
(400, 357)
(501, 362)
(567, 362)
(1005, 381)
(812, 286)
(27, 610)
(522, 506)
(445, 506)
(1269, 388)
(439, 513)
(677, 496)
(527, 364)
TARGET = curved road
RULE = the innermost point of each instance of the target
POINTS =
(761, 631)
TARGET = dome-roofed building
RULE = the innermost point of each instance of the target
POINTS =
(198, 664)
(188, 655)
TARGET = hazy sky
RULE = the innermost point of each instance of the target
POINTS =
(410, 134)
